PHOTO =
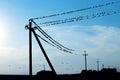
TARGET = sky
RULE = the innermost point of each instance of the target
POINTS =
(97, 34)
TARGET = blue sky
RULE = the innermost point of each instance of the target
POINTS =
(100, 37)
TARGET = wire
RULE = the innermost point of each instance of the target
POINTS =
(54, 41)
(50, 38)
(58, 47)
(78, 10)
(79, 18)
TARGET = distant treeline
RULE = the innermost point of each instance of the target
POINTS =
(104, 74)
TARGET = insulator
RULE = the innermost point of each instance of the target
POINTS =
(26, 27)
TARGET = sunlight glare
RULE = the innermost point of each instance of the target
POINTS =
(2, 33)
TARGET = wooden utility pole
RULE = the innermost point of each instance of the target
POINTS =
(30, 48)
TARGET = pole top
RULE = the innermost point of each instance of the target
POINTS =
(85, 53)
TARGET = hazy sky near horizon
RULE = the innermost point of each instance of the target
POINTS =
(99, 36)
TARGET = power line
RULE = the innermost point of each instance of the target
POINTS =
(52, 41)
(78, 10)
(79, 18)
(56, 46)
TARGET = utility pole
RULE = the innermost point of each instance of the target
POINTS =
(97, 64)
(30, 48)
(85, 59)
(102, 66)
(31, 30)
(44, 67)
(29, 27)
